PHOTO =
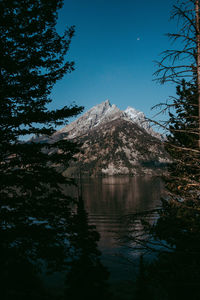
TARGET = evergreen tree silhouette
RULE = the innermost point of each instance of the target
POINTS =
(34, 211)
(87, 278)
(176, 272)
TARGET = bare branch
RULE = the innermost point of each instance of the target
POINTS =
(183, 13)
(185, 149)
(176, 36)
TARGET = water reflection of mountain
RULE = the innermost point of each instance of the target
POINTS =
(107, 200)
(121, 195)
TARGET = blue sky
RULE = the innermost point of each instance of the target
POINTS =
(114, 49)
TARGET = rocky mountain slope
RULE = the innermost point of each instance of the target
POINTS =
(114, 142)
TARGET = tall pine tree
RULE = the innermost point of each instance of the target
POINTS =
(87, 277)
(176, 272)
(34, 211)
(176, 234)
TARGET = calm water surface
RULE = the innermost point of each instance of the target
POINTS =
(109, 199)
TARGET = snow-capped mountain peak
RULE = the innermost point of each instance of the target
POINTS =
(133, 113)
(137, 117)
(113, 142)
(97, 115)
(102, 113)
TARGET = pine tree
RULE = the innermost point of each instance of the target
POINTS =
(176, 273)
(177, 269)
(175, 235)
(87, 278)
(34, 211)
(182, 142)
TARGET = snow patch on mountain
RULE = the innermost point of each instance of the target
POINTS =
(137, 117)
(102, 113)
(97, 115)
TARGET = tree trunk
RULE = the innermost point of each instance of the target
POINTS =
(198, 63)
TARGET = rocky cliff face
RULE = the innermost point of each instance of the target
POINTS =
(101, 114)
(114, 142)
(97, 115)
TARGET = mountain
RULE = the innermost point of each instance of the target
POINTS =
(114, 142)
(104, 113)
(97, 115)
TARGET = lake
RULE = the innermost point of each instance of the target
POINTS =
(107, 200)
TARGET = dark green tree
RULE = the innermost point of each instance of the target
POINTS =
(176, 272)
(87, 277)
(175, 235)
(34, 211)
(181, 208)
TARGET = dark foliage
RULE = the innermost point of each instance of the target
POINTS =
(177, 271)
(175, 234)
(175, 274)
(34, 211)
(87, 278)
